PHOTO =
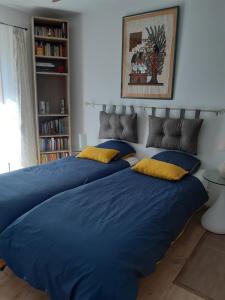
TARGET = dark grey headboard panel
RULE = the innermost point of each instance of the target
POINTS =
(174, 134)
(118, 126)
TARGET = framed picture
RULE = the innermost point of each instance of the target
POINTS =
(149, 44)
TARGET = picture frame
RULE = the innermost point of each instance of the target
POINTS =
(148, 54)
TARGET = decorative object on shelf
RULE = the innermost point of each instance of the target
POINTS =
(44, 107)
(42, 110)
(82, 137)
(61, 69)
(49, 32)
(149, 42)
(62, 106)
(47, 107)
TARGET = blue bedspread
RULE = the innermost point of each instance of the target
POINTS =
(94, 242)
(22, 190)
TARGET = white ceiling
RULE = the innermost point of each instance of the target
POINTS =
(30, 6)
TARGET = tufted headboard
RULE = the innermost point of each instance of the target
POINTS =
(212, 129)
(174, 134)
(119, 126)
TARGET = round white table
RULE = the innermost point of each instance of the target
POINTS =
(214, 218)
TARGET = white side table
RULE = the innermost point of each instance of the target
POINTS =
(214, 218)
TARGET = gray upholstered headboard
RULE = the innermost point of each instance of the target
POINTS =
(214, 120)
(174, 134)
(119, 126)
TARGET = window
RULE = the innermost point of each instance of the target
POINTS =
(17, 135)
(10, 137)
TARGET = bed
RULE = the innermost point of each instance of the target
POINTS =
(22, 190)
(96, 241)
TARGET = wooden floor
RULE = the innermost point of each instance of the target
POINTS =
(206, 264)
(158, 286)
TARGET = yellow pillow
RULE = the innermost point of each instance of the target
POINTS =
(99, 154)
(160, 169)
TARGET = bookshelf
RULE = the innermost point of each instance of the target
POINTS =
(50, 41)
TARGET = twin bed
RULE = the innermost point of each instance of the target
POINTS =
(22, 190)
(91, 230)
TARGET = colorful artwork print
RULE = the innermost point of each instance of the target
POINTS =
(148, 61)
(148, 54)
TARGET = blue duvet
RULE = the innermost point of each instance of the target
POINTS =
(94, 242)
(22, 190)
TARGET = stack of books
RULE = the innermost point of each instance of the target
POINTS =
(45, 158)
(50, 31)
(49, 49)
(53, 144)
(45, 67)
(56, 126)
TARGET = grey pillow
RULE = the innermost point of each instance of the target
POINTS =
(174, 134)
(118, 126)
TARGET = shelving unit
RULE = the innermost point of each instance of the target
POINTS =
(50, 39)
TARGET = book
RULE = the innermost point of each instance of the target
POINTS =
(50, 49)
(52, 127)
(59, 31)
(54, 144)
(45, 158)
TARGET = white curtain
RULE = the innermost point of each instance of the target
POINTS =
(17, 133)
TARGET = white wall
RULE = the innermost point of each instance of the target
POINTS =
(14, 17)
(96, 48)
(200, 65)
(76, 70)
